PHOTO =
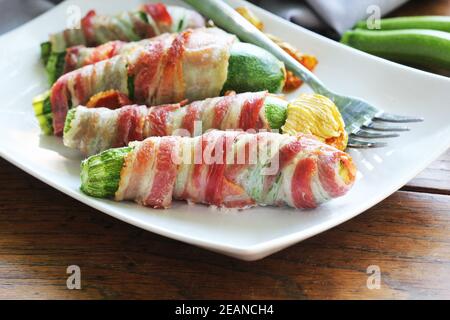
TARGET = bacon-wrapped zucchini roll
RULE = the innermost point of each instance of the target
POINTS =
(221, 168)
(92, 130)
(194, 64)
(148, 21)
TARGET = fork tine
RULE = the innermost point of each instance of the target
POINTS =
(360, 144)
(390, 117)
(373, 135)
(381, 127)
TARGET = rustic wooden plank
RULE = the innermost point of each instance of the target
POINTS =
(434, 179)
(42, 231)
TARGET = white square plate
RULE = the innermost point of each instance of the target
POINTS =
(258, 232)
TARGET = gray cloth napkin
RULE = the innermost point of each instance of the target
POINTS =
(14, 13)
(342, 15)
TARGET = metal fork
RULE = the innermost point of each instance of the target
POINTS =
(362, 119)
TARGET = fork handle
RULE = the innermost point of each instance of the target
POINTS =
(228, 19)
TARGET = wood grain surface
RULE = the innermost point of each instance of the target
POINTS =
(434, 179)
(43, 231)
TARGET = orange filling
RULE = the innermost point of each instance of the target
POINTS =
(111, 99)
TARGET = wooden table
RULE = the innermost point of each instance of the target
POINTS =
(43, 231)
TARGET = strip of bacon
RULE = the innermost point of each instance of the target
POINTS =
(80, 87)
(111, 99)
(159, 13)
(145, 70)
(193, 113)
(87, 27)
(129, 126)
(171, 85)
(197, 171)
(138, 164)
(241, 159)
(250, 113)
(328, 173)
(160, 195)
(220, 110)
(234, 196)
(216, 171)
(103, 52)
(158, 119)
(71, 58)
(288, 152)
(285, 155)
(302, 194)
(59, 100)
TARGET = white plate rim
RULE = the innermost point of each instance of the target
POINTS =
(251, 252)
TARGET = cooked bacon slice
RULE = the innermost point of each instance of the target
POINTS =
(165, 174)
(158, 12)
(157, 122)
(249, 117)
(302, 193)
(59, 100)
(80, 56)
(134, 122)
(148, 67)
(111, 99)
(130, 125)
(160, 169)
(87, 25)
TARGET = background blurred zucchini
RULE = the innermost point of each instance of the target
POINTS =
(441, 23)
(417, 47)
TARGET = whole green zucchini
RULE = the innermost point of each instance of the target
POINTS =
(426, 48)
(441, 23)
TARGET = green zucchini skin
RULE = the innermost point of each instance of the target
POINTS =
(441, 23)
(43, 112)
(251, 68)
(276, 111)
(100, 174)
(427, 48)
(69, 118)
(46, 49)
(55, 66)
